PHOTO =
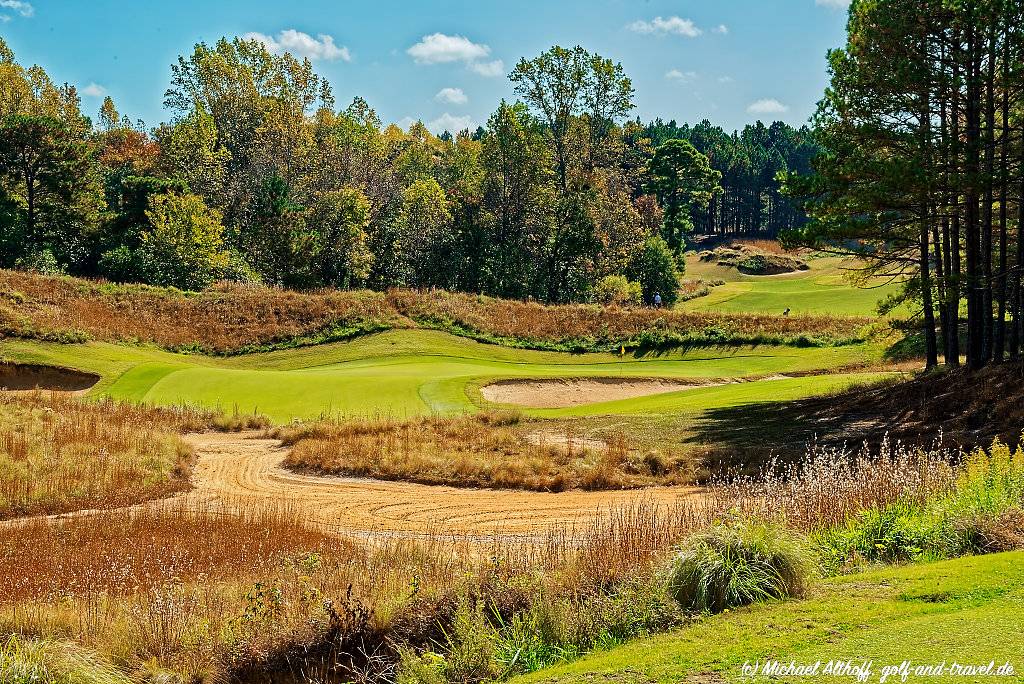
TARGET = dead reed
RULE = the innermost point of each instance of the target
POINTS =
(831, 485)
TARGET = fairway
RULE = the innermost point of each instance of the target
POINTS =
(407, 373)
(823, 289)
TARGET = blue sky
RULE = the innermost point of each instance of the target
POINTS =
(731, 61)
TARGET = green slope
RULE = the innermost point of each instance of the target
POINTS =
(410, 372)
(824, 289)
(970, 610)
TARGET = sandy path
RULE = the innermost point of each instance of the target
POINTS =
(242, 470)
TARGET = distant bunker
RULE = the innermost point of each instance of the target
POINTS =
(27, 376)
(568, 392)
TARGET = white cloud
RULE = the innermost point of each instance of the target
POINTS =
(660, 26)
(725, 79)
(489, 69)
(4, 18)
(767, 106)
(303, 45)
(452, 124)
(721, 29)
(680, 76)
(451, 95)
(405, 122)
(94, 90)
(438, 48)
(835, 4)
(25, 9)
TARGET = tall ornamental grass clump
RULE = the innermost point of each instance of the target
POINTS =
(25, 661)
(737, 563)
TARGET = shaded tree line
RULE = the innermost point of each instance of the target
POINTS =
(923, 174)
(260, 177)
(751, 162)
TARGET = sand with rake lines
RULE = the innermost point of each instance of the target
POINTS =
(242, 470)
(563, 393)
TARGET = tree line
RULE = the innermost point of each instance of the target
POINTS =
(922, 171)
(752, 163)
(259, 176)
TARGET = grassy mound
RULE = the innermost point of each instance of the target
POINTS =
(499, 449)
(231, 319)
(967, 407)
(754, 260)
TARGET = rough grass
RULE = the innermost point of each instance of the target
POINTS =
(491, 449)
(230, 319)
(207, 597)
(60, 454)
(761, 257)
(739, 562)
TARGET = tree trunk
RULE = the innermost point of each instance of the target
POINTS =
(987, 227)
(972, 222)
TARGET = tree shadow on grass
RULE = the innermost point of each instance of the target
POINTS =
(744, 439)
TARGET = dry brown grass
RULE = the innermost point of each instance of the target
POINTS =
(210, 597)
(583, 327)
(60, 454)
(225, 318)
(830, 485)
(763, 245)
(233, 319)
(492, 449)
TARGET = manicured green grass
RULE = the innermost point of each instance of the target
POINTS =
(970, 610)
(824, 289)
(411, 372)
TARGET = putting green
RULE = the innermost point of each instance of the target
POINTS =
(823, 289)
(412, 372)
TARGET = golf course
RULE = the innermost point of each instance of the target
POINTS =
(409, 373)
(473, 343)
(824, 288)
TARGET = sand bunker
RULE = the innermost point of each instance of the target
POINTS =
(18, 376)
(565, 392)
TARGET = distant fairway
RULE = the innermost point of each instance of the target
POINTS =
(407, 373)
(824, 289)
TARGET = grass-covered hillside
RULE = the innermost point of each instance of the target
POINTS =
(410, 372)
(824, 288)
(239, 319)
